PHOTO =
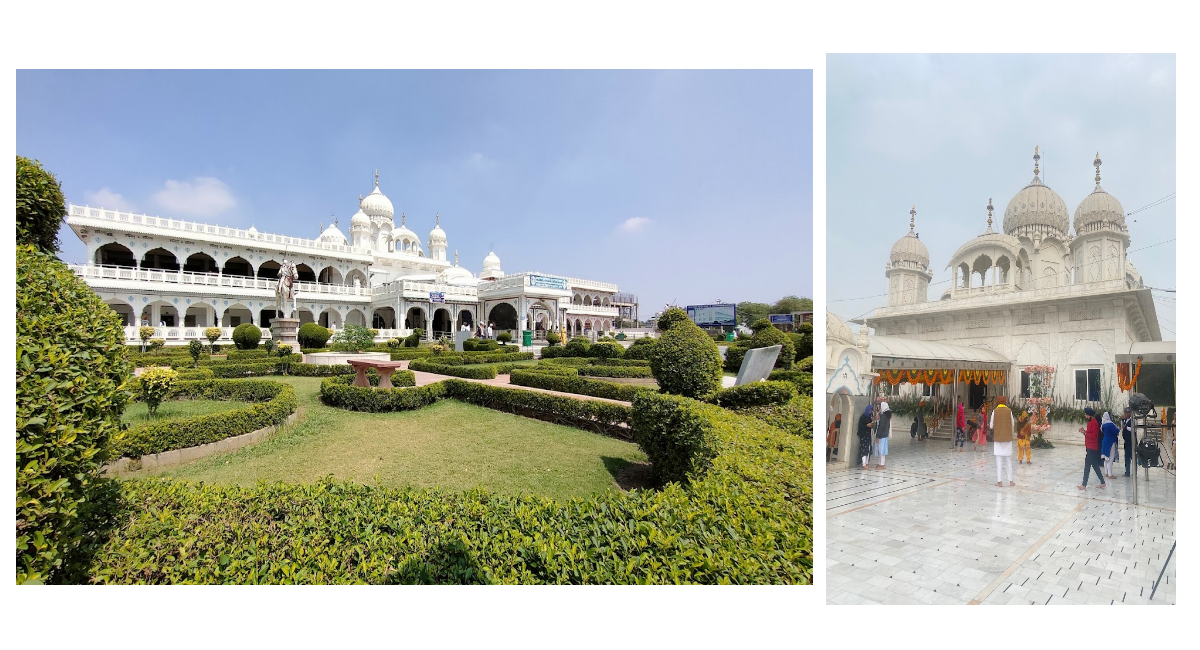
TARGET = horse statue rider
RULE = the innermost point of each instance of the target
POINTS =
(285, 289)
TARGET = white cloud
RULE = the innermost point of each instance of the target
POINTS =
(480, 162)
(634, 224)
(108, 199)
(202, 196)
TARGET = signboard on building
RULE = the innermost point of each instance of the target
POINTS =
(713, 315)
(781, 319)
(546, 282)
(437, 296)
(802, 316)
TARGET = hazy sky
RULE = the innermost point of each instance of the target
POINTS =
(685, 186)
(948, 132)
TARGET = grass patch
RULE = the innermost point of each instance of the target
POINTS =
(138, 413)
(449, 445)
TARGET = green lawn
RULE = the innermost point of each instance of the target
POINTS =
(138, 413)
(449, 445)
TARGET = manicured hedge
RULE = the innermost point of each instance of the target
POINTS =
(468, 358)
(685, 360)
(245, 355)
(762, 393)
(672, 430)
(337, 391)
(408, 354)
(466, 372)
(743, 517)
(539, 378)
(643, 363)
(554, 369)
(616, 371)
(564, 361)
(734, 354)
(273, 403)
(606, 350)
(194, 374)
(802, 380)
(805, 364)
(591, 415)
(795, 417)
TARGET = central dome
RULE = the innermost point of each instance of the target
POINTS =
(1036, 209)
(376, 205)
(910, 251)
(836, 329)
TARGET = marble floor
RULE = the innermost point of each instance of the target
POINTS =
(933, 528)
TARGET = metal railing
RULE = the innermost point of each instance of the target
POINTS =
(92, 271)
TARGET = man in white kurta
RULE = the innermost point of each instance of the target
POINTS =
(1003, 424)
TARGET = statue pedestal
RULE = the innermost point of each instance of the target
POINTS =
(284, 331)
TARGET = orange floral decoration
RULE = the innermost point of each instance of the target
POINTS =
(1123, 379)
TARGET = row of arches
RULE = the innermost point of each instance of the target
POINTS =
(205, 315)
(589, 300)
(984, 272)
(114, 254)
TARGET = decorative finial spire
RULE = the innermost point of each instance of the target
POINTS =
(401, 219)
(1097, 163)
(321, 227)
(912, 219)
(360, 199)
(989, 214)
(437, 218)
(376, 178)
(456, 257)
(335, 223)
(1036, 158)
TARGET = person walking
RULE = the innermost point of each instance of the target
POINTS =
(1003, 426)
(1110, 433)
(831, 438)
(1091, 441)
(919, 431)
(1024, 430)
(1127, 436)
(864, 436)
(960, 429)
(883, 432)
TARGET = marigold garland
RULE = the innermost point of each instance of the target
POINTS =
(1123, 379)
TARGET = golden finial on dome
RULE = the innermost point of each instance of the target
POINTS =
(1097, 163)
(1036, 158)
(912, 219)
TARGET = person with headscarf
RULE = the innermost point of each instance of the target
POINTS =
(1024, 427)
(1003, 425)
(1091, 441)
(831, 438)
(960, 429)
(883, 431)
(864, 436)
(918, 431)
(1127, 437)
(1108, 444)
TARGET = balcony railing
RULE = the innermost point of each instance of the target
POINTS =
(208, 229)
(179, 335)
(595, 310)
(90, 271)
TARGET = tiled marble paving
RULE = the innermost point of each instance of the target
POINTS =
(933, 528)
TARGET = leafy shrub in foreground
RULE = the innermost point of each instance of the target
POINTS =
(805, 364)
(672, 317)
(609, 349)
(577, 347)
(672, 432)
(354, 338)
(40, 206)
(802, 380)
(686, 362)
(616, 371)
(641, 349)
(154, 384)
(70, 374)
(247, 354)
(771, 335)
(762, 393)
(246, 336)
(339, 393)
(590, 415)
(642, 363)
(734, 355)
(414, 338)
(553, 339)
(212, 334)
(504, 338)
(195, 349)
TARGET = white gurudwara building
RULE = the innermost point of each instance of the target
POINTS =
(182, 277)
(1038, 289)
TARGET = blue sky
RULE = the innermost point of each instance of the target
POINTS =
(947, 132)
(679, 186)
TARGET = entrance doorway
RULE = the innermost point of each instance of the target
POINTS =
(976, 394)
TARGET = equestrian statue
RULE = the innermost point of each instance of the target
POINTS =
(285, 289)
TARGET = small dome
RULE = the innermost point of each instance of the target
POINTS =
(360, 220)
(437, 235)
(376, 205)
(457, 275)
(1099, 210)
(333, 236)
(491, 262)
(253, 230)
(836, 330)
(402, 233)
(1036, 209)
(909, 251)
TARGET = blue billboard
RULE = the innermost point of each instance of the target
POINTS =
(713, 315)
(781, 319)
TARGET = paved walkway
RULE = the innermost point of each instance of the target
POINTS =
(426, 378)
(934, 528)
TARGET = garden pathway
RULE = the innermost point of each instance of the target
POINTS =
(426, 378)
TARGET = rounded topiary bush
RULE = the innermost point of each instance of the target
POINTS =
(552, 338)
(685, 361)
(414, 339)
(40, 206)
(71, 368)
(770, 335)
(504, 337)
(641, 348)
(672, 317)
(578, 347)
(246, 336)
(311, 335)
(606, 350)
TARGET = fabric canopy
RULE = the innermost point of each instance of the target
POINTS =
(896, 352)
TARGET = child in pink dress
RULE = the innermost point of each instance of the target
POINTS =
(979, 436)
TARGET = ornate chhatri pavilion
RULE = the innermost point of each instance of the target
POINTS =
(183, 276)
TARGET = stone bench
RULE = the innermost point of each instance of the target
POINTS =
(384, 368)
